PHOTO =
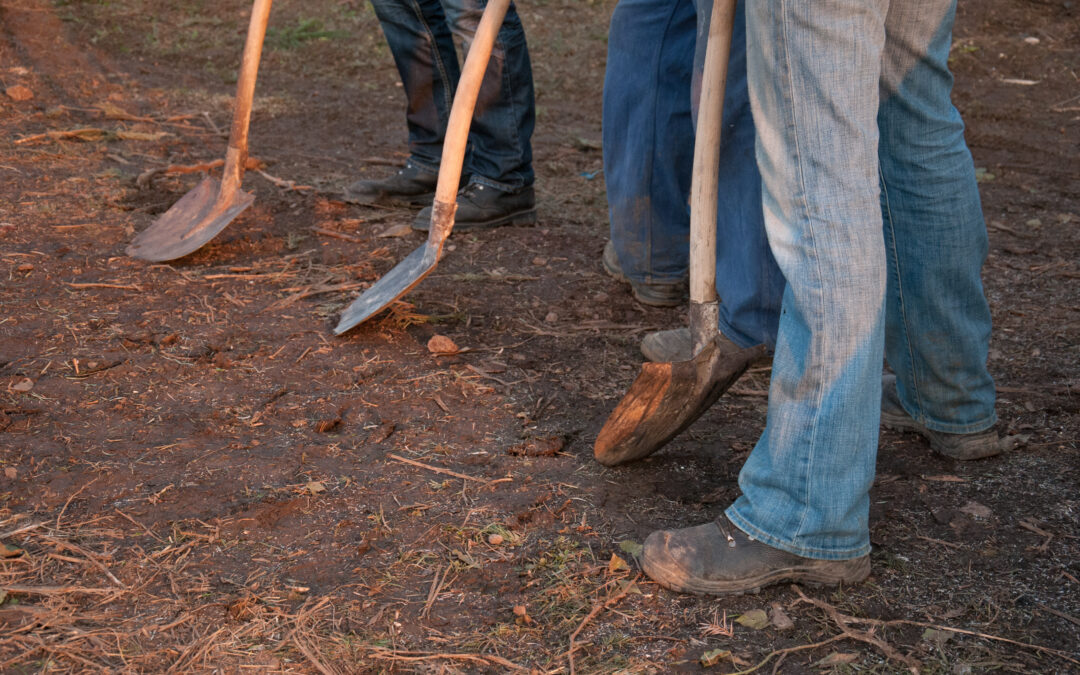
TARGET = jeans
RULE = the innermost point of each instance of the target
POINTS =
(872, 212)
(656, 53)
(420, 35)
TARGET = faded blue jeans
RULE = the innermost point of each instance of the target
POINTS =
(420, 34)
(873, 214)
(656, 52)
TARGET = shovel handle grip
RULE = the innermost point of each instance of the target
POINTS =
(468, 89)
(703, 186)
(236, 156)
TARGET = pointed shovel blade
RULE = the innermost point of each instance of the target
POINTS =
(191, 222)
(396, 283)
(665, 398)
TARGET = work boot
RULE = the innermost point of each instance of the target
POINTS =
(480, 207)
(668, 346)
(410, 186)
(718, 558)
(958, 446)
(653, 294)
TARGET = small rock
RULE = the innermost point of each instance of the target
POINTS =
(551, 317)
(1031, 40)
(495, 539)
(540, 261)
(442, 345)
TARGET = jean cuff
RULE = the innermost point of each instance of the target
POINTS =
(430, 167)
(497, 185)
(743, 524)
(952, 427)
(738, 337)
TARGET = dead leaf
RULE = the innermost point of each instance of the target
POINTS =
(714, 656)
(755, 618)
(538, 447)
(19, 93)
(10, 551)
(522, 614)
(401, 229)
(976, 510)
(315, 487)
(381, 433)
(779, 618)
(440, 345)
(23, 385)
(142, 136)
(11, 472)
(945, 479)
(631, 547)
(616, 563)
(937, 636)
(836, 659)
(326, 426)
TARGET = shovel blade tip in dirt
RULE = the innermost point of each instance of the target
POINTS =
(664, 399)
(191, 222)
(396, 283)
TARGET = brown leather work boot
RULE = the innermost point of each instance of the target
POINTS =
(718, 558)
(965, 447)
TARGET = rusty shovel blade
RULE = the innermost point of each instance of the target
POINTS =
(665, 398)
(191, 222)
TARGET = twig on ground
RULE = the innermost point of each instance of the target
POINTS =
(600, 607)
(835, 614)
(284, 184)
(436, 469)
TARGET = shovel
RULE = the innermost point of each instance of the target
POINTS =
(665, 398)
(408, 273)
(206, 210)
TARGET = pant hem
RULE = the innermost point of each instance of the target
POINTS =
(497, 185)
(805, 552)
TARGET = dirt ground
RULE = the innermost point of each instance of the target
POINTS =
(199, 477)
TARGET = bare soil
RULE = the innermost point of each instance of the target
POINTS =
(199, 477)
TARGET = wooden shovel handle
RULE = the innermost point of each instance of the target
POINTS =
(236, 155)
(703, 186)
(461, 113)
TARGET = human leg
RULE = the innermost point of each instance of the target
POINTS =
(937, 320)
(500, 137)
(423, 49)
(648, 143)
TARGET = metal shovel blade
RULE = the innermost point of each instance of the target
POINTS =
(664, 399)
(191, 222)
(396, 283)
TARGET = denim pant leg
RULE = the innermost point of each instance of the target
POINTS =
(500, 139)
(648, 137)
(748, 281)
(814, 70)
(423, 49)
(937, 320)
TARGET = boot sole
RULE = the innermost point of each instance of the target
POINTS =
(816, 576)
(526, 218)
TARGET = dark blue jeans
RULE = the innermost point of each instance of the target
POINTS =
(656, 52)
(420, 34)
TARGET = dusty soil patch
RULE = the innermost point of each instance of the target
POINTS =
(197, 475)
